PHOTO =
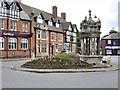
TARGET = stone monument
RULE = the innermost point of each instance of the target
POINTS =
(90, 39)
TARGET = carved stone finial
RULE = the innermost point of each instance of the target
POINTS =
(90, 13)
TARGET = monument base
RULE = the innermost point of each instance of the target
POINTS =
(92, 59)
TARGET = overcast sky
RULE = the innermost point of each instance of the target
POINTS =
(76, 10)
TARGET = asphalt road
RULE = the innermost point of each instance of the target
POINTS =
(18, 79)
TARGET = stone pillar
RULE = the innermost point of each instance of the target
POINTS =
(82, 47)
(90, 46)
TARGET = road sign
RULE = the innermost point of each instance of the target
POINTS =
(66, 46)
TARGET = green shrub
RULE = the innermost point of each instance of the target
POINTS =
(65, 57)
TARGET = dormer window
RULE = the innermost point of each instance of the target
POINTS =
(70, 29)
(57, 24)
(39, 19)
(50, 22)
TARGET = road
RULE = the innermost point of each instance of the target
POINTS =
(18, 79)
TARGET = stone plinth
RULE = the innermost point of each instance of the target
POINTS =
(92, 59)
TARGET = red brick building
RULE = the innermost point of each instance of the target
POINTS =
(14, 31)
(25, 30)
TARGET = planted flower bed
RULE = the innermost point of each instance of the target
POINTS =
(62, 61)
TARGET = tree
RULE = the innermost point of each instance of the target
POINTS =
(78, 39)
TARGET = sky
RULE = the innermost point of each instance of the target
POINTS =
(76, 10)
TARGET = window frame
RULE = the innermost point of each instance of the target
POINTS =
(2, 43)
(24, 44)
(44, 35)
(13, 25)
(24, 27)
(44, 48)
(2, 24)
(12, 43)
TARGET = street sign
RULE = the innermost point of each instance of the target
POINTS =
(66, 46)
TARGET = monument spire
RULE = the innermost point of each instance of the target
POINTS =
(90, 14)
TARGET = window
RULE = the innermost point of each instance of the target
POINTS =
(12, 44)
(108, 51)
(13, 25)
(50, 22)
(44, 48)
(52, 36)
(44, 35)
(24, 27)
(1, 23)
(1, 43)
(38, 48)
(57, 24)
(60, 47)
(118, 51)
(38, 35)
(39, 19)
(74, 39)
(60, 36)
(24, 44)
(109, 42)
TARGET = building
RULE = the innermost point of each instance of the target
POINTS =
(70, 36)
(15, 31)
(111, 44)
(27, 30)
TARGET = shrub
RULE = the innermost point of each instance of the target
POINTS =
(65, 57)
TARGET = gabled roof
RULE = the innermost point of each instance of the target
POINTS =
(112, 36)
(47, 16)
(65, 25)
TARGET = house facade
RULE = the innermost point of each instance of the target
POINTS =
(14, 31)
(25, 30)
(111, 44)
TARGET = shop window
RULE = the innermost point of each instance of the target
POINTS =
(118, 52)
(108, 51)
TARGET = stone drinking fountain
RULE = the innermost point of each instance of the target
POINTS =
(90, 40)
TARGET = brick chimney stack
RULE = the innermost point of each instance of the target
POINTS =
(63, 15)
(54, 11)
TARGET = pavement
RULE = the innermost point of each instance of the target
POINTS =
(18, 67)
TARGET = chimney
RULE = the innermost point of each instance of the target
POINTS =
(63, 15)
(54, 11)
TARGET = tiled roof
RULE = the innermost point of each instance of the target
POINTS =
(65, 25)
(113, 36)
(29, 10)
